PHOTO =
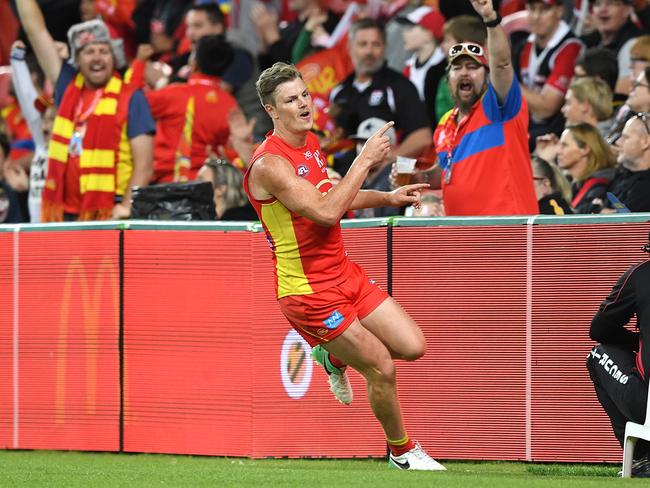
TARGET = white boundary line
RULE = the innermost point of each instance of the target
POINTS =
(16, 317)
(529, 337)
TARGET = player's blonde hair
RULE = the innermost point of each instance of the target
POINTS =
(273, 77)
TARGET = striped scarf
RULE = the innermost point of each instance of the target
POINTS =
(99, 161)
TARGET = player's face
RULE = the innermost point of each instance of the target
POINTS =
(293, 106)
(95, 62)
(468, 81)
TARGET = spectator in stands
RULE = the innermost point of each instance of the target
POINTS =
(618, 364)
(102, 136)
(589, 100)
(239, 77)
(639, 60)
(589, 160)
(278, 41)
(13, 187)
(482, 144)
(378, 176)
(637, 101)
(599, 62)
(39, 112)
(464, 28)
(631, 182)
(615, 31)
(192, 116)
(427, 66)
(166, 28)
(230, 200)
(545, 65)
(552, 188)
(374, 90)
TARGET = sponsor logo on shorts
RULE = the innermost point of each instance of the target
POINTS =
(303, 170)
(334, 320)
(295, 366)
(322, 332)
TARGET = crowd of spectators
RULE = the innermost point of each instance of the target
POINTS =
(108, 95)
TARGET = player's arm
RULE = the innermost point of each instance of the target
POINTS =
(275, 176)
(32, 21)
(405, 195)
(499, 56)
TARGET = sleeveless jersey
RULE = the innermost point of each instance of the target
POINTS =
(308, 257)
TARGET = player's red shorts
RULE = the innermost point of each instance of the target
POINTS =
(322, 316)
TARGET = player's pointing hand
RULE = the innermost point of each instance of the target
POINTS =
(377, 147)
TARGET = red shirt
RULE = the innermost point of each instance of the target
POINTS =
(309, 257)
(169, 107)
(485, 158)
(552, 66)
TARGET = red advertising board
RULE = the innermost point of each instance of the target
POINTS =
(68, 375)
(7, 322)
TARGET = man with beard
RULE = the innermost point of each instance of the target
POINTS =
(374, 90)
(482, 143)
(101, 144)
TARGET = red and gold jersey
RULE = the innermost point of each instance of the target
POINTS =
(308, 257)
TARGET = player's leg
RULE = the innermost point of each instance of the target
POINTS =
(362, 350)
(396, 330)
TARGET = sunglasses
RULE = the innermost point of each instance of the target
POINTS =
(643, 117)
(466, 48)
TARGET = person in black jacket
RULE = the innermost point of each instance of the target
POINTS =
(618, 364)
(631, 182)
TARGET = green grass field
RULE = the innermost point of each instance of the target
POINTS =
(77, 469)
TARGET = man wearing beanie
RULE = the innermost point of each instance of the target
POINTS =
(101, 144)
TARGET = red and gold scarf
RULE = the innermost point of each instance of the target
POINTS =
(99, 158)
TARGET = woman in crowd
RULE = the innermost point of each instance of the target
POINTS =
(589, 160)
(231, 203)
(552, 188)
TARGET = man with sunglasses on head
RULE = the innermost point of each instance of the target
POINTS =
(482, 143)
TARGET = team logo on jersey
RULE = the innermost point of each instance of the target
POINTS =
(375, 98)
(303, 170)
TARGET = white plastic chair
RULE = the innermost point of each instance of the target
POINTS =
(634, 432)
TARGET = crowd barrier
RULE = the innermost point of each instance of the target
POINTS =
(166, 338)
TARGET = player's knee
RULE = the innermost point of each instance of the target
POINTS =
(416, 350)
(382, 372)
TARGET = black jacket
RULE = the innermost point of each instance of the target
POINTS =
(630, 296)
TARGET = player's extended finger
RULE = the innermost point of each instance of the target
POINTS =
(383, 130)
(416, 187)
